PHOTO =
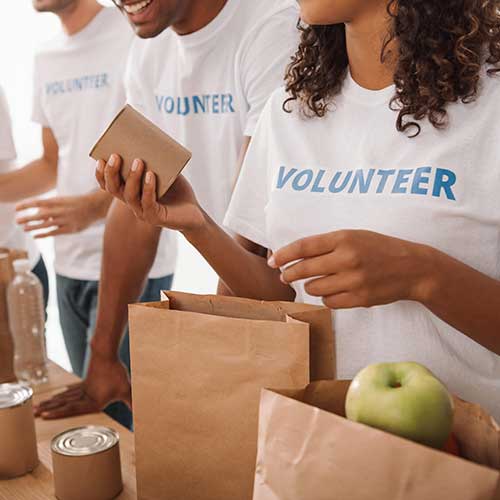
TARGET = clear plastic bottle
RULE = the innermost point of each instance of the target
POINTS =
(27, 324)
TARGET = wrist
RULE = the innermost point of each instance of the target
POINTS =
(427, 276)
(103, 349)
(200, 230)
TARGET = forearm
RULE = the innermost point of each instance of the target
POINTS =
(129, 251)
(463, 297)
(242, 272)
(34, 179)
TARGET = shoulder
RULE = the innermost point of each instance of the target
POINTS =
(273, 113)
(278, 20)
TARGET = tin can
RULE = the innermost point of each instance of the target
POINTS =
(18, 452)
(86, 463)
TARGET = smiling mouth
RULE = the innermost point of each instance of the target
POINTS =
(137, 7)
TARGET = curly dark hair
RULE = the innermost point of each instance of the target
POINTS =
(443, 46)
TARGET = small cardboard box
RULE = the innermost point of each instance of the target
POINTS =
(131, 135)
(307, 450)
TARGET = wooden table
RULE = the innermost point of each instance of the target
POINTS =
(39, 484)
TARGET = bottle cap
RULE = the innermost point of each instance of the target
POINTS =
(22, 265)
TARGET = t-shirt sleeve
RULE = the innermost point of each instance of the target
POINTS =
(37, 112)
(246, 214)
(7, 148)
(266, 54)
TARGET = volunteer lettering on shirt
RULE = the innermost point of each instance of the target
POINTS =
(78, 84)
(353, 170)
(421, 181)
(207, 89)
(78, 91)
(206, 104)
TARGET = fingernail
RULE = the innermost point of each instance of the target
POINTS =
(112, 161)
(271, 262)
(149, 177)
(100, 166)
(135, 165)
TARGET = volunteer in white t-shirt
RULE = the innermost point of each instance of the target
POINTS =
(11, 235)
(205, 81)
(374, 183)
(78, 89)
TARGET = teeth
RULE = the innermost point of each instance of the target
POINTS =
(136, 7)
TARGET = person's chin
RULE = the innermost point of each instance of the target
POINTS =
(149, 30)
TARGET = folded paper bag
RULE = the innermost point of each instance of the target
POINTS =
(307, 450)
(131, 135)
(198, 364)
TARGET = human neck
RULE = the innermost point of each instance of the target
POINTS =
(198, 15)
(78, 15)
(365, 38)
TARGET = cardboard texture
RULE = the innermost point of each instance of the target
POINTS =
(198, 364)
(7, 257)
(101, 473)
(307, 450)
(131, 135)
(18, 451)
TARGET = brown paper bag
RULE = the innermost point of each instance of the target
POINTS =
(198, 364)
(132, 135)
(7, 257)
(308, 451)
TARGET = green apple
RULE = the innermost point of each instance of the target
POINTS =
(405, 399)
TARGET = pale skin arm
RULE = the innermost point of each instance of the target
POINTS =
(56, 215)
(36, 177)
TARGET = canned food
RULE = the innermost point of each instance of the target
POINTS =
(92, 452)
(18, 452)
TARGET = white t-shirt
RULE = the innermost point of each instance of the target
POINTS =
(353, 170)
(78, 91)
(207, 89)
(11, 235)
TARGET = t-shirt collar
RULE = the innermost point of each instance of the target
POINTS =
(212, 28)
(93, 28)
(352, 90)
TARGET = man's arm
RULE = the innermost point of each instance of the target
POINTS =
(129, 251)
(128, 256)
(36, 177)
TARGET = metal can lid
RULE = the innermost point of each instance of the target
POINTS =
(84, 441)
(12, 395)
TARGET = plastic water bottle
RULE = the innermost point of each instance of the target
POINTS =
(27, 324)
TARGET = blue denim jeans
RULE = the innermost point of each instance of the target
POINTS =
(41, 272)
(77, 301)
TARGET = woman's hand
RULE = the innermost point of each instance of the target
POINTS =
(357, 268)
(178, 209)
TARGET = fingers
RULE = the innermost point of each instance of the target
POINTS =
(333, 284)
(302, 249)
(55, 232)
(345, 300)
(133, 187)
(75, 393)
(308, 268)
(70, 409)
(44, 203)
(99, 174)
(152, 211)
(113, 182)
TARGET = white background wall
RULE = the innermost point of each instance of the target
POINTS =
(22, 30)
